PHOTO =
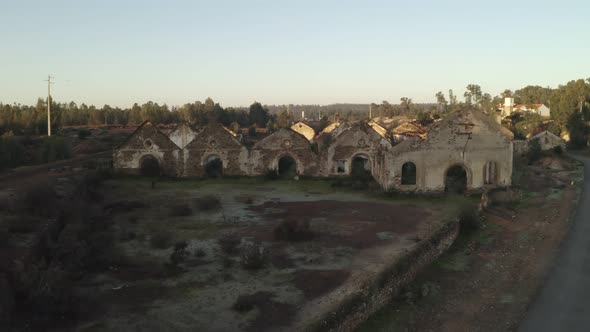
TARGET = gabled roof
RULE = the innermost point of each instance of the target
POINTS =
(409, 129)
(378, 129)
(146, 124)
(523, 106)
(546, 133)
(304, 129)
(331, 127)
(465, 118)
(287, 131)
(202, 140)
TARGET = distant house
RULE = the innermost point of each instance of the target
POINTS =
(548, 140)
(540, 109)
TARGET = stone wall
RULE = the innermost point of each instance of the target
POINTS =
(466, 138)
(265, 155)
(148, 141)
(214, 141)
(380, 290)
(463, 139)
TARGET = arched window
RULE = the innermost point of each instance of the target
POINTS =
(489, 173)
(409, 173)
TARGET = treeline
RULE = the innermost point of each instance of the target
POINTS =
(23, 119)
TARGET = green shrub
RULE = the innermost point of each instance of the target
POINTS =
(12, 152)
(253, 255)
(84, 133)
(208, 202)
(161, 240)
(293, 230)
(534, 151)
(228, 242)
(54, 148)
(179, 254)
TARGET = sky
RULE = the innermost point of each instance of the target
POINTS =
(285, 52)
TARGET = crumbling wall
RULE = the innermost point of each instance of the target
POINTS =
(265, 155)
(356, 140)
(147, 140)
(214, 140)
(465, 140)
(376, 292)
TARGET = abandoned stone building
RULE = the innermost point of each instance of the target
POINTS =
(466, 151)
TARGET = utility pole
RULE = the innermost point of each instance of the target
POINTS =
(49, 104)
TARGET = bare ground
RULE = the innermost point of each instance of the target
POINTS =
(489, 278)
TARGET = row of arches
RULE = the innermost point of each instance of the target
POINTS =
(213, 166)
(455, 179)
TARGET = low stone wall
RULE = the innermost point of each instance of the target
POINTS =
(381, 289)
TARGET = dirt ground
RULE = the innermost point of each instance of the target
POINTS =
(210, 289)
(489, 277)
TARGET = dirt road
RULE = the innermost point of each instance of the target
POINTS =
(564, 302)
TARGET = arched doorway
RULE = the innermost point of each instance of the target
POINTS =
(360, 167)
(150, 166)
(213, 167)
(287, 167)
(456, 180)
(409, 173)
(490, 173)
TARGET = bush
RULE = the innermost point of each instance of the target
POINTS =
(208, 202)
(179, 254)
(54, 148)
(180, 210)
(271, 174)
(84, 133)
(558, 150)
(200, 252)
(534, 151)
(228, 242)
(161, 240)
(293, 230)
(253, 255)
(12, 152)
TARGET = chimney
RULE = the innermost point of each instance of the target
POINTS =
(508, 106)
(337, 118)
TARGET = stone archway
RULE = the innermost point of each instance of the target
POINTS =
(150, 166)
(213, 167)
(456, 179)
(287, 167)
(360, 167)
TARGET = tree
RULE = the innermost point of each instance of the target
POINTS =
(441, 101)
(507, 93)
(452, 100)
(406, 104)
(258, 115)
(473, 95)
(283, 120)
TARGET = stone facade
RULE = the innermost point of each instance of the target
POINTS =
(469, 139)
(480, 148)
(148, 142)
(265, 155)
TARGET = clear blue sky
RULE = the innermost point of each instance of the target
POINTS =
(280, 52)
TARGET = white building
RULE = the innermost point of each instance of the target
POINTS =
(540, 109)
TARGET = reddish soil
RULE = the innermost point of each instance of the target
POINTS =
(314, 283)
(505, 265)
(335, 223)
